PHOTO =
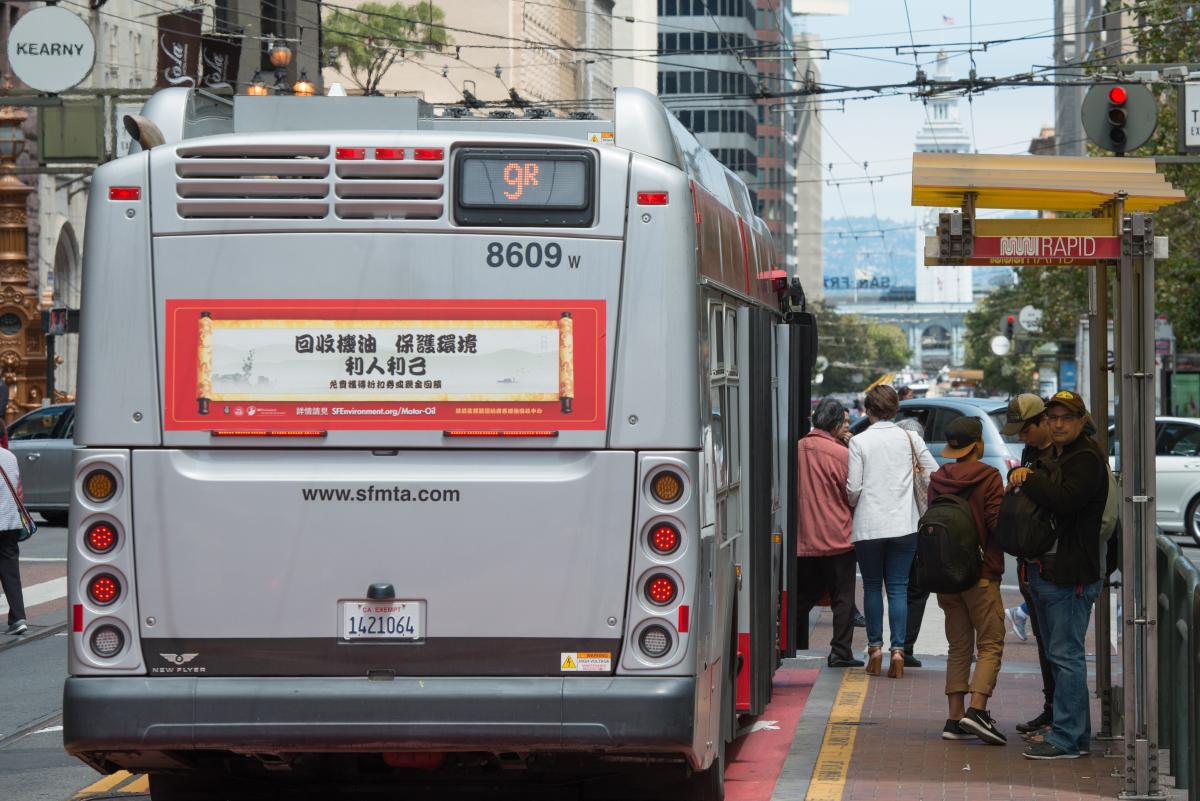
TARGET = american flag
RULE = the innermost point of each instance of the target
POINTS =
(947, 20)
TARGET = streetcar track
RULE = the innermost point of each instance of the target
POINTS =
(21, 639)
(31, 728)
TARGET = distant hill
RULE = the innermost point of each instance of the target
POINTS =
(883, 254)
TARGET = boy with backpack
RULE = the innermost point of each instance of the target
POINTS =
(974, 616)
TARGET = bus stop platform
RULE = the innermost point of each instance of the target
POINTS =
(862, 738)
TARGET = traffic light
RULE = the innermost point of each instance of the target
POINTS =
(1009, 326)
(1119, 117)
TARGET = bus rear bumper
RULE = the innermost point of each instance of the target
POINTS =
(105, 715)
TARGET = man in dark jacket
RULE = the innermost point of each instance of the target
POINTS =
(1027, 419)
(1065, 582)
(975, 616)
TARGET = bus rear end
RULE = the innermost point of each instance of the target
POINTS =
(390, 458)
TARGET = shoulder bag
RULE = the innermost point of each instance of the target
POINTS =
(28, 527)
(920, 479)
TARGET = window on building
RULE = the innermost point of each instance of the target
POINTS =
(672, 42)
(672, 8)
(671, 83)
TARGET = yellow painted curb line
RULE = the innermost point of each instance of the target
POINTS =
(833, 761)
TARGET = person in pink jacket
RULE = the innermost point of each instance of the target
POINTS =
(824, 554)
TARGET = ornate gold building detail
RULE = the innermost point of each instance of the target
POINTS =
(22, 343)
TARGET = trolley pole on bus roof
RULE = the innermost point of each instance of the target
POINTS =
(1121, 236)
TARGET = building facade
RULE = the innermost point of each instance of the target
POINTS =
(556, 55)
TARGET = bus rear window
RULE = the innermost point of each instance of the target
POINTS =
(523, 187)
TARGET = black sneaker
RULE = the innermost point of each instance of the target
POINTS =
(859, 621)
(17, 627)
(1044, 719)
(910, 660)
(952, 731)
(1047, 751)
(980, 723)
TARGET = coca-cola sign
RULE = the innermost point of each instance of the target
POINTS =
(178, 49)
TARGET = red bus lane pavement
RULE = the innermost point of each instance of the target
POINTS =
(756, 759)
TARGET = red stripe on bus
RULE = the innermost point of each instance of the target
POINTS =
(77, 618)
(783, 622)
(743, 677)
(745, 253)
(684, 619)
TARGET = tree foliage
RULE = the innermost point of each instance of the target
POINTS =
(371, 38)
(859, 349)
(1167, 34)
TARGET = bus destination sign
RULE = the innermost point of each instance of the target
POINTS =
(394, 364)
(543, 183)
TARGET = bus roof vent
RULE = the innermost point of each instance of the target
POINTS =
(391, 190)
(242, 181)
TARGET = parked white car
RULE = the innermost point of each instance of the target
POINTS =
(1177, 473)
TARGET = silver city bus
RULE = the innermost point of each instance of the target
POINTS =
(420, 446)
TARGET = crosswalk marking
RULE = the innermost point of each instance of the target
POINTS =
(120, 782)
(40, 593)
(139, 785)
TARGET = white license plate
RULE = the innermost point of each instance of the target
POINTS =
(382, 620)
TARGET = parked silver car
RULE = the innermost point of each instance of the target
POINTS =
(43, 444)
(1002, 453)
(1176, 472)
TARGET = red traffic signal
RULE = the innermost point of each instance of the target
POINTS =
(1119, 117)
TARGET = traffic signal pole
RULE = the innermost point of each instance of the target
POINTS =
(1139, 580)
(1098, 381)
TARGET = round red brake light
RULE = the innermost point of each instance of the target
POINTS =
(104, 589)
(100, 538)
(661, 590)
(664, 538)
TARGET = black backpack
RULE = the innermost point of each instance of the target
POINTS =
(1025, 529)
(948, 558)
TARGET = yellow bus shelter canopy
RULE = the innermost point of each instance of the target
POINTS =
(1051, 183)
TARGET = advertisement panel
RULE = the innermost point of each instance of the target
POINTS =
(384, 364)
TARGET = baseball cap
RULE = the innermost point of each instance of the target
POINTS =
(1022, 409)
(1068, 400)
(961, 434)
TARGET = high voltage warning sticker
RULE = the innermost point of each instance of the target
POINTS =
(585, 662)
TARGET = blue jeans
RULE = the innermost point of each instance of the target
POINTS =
(1064, 611)
(886, 561)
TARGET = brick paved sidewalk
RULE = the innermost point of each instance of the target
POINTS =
(880, 738)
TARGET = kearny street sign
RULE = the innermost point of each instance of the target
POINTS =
(51, 49)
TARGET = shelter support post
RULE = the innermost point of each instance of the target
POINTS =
(1135, 434)
(1098, 381)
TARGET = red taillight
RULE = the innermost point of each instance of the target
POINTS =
(104, 589)
(428, 153)
(124, 193)
(100, 538)
(664, 538)
(652, 198)
(350, 153)
(389, 153)
(661, 590)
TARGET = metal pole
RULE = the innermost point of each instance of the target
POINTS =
(1098, 379)
(1139, 582)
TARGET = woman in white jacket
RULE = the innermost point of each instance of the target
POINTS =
(880, 488)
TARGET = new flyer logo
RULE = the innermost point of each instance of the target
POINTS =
(385, 364)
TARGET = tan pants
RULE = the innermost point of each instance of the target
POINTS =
(974, 621)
